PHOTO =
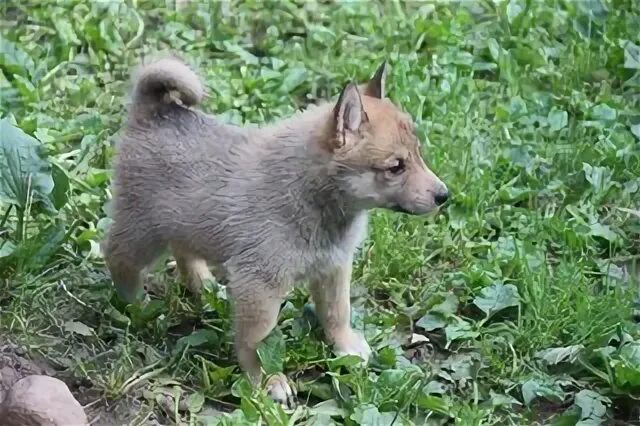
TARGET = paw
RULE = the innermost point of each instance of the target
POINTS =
(352, 343)
(279, 389)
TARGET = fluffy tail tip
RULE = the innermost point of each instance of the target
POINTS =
(167, 80)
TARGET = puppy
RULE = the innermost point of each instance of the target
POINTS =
(268, 206)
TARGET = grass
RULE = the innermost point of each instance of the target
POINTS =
(514, 306)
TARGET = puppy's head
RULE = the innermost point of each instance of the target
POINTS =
(376, 152)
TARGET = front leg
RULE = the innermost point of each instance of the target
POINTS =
(330, 291)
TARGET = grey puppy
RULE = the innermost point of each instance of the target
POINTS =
(269, 206)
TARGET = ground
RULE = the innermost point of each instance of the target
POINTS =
(516, 304)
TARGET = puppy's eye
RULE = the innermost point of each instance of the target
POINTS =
(398, 168)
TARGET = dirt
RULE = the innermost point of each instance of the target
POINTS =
(15, 364)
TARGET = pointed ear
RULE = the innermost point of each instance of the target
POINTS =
(375, 86)
(349, 113)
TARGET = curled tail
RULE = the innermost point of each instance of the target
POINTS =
(165, 81)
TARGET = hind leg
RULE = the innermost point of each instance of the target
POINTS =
(256, 305)
(194, 269)
(255, 315)
(127, 252)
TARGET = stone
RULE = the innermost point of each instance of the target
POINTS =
(41, 401)
(8, 377)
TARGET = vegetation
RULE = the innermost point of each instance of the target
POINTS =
(513, 305)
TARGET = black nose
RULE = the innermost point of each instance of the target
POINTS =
(441, 197)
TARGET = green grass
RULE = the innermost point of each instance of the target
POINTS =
(525, 285)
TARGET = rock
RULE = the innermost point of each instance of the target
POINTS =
(41, 401)
(8, 377)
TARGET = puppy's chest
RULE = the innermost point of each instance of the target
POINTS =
(333, 249)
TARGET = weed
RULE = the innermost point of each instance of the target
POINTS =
(514, 306)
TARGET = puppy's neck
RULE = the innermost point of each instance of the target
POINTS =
(323, 180)
(303, 139)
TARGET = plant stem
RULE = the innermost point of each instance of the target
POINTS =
(20, 226)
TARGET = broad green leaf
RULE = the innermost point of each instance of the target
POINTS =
(434, 387)
(512, 194)
(517, 108)
(604, 112)
(66, 31)
(569, 418)
(554, 356)
(24, 169)
(462, 366)
(394, 378)
(242, 388)
(37, 250)
(494, 49)
(433, 403)
(294, 78)
(497, 297)
(514, 9)
(593, 407)
(271, 352)
(458, 216)
(558, 119)
(242, 53)
(387, 356)
(59, 194)
(627, 366)
(444, 304)
(344, 361)
(329, 408)
(6, 248)
(484, 66)
(599, 177)
(141, 314)
(631, 55)
(506, 247)
(528, 56)
(78, 327)
(498, 400)
(26, 88)
(369, 415)
(603, 231)
(631, 353)
(635, 129)
(249, 409)
(627, 376)
(13, 59)
(431, 322)
(198, 338)
(195, 401)
(533, 389)
(460, 330)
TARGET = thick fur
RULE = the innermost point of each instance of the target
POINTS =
(270, 206)
(165, 81)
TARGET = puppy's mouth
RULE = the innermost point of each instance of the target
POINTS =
(399, 209)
